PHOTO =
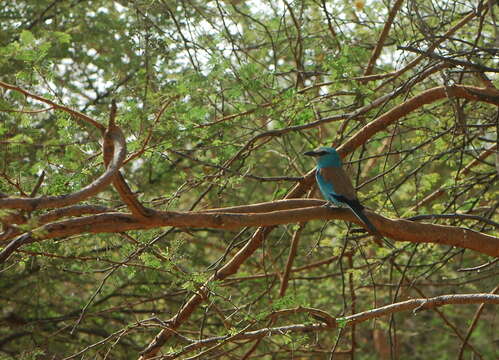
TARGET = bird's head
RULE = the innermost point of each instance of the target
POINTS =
(326, 156)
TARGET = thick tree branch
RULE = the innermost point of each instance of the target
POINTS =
(44, 202)
(303, 186)
(381, 41)
(488, 95)
(119, 183)
(395, 229)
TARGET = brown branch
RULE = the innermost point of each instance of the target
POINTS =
(39, 183)
(94, 188)
(291, 257)
(298, 191)
(396, 229)
(54, 105)
(119, 182)
(433, 46)
(487, 95)
(382, 37)
(330, 322)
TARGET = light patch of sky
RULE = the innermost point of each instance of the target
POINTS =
(261, 6)
(91, 52)
(103, 10)
(119, 8)
(67, 65)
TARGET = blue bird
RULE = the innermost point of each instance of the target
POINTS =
(336, 187)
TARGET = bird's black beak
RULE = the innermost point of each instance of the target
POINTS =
(312, 153)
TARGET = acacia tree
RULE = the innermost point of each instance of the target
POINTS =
(155, 202)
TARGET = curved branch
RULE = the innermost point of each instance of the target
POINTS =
(66, 109)
(382, 122)
(119, 182)
(44, 202)
(332, 323)
(488, 95)
(395, 229)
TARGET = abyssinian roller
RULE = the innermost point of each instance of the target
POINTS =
(336, 187)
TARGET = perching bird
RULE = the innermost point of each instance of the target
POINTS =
(336, 187)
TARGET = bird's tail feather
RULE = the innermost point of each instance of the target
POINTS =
(358, 211)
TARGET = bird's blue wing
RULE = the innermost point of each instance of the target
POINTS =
(336, 187)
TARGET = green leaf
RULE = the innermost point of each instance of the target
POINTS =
(62, 37)
(26, 37)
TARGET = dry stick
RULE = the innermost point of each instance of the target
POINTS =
(414, 304)
(301, 188)
(291, 257)
(229, 281)
(417, 60)
(439, 192)
(39, 183)
(353, 296)
(101, 342)
(454, 216)
(440, 313)
(473, 325)
(70, 111)
(418, 304)
(382, 37)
